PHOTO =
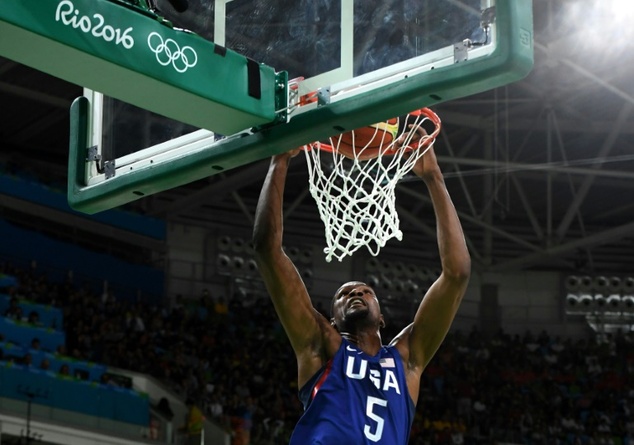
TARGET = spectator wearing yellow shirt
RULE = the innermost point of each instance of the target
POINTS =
(194, 423)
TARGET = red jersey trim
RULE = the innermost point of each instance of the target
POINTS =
(322, 379)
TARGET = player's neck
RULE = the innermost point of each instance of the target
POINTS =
(368, 342)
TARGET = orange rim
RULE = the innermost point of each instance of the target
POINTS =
(370, 153)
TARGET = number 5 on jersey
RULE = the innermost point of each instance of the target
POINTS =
(369, 411)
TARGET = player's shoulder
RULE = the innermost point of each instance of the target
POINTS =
(402, 336)
(329, 339)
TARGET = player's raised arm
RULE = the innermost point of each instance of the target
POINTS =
(420, 341)
(302, 323)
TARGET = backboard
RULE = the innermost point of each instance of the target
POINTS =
(345, 64)
(340, 44)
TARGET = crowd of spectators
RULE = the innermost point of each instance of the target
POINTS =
(234, 361)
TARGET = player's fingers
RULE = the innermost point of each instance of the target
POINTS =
(419, 131)
(415, 134)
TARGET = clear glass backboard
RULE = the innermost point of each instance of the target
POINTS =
(349, 63)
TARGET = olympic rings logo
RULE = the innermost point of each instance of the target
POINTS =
(169, 52)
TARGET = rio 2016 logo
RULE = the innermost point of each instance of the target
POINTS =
(95, 25)
(167, 51)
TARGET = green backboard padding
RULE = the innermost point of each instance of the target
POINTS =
(511, 60)
(119, 51)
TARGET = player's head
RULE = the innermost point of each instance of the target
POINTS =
(354, 305)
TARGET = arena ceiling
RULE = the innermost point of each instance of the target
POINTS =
(541, 171)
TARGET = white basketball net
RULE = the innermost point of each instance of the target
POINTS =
(356, 198)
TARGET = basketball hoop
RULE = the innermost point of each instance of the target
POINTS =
(354, 185)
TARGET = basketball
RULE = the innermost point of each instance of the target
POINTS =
(365, 142)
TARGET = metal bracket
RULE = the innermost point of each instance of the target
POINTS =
(323, 96)
(93, 154)
(109, 169)
(461, 51)
(282, 96)
(103, 167)
(488, 17)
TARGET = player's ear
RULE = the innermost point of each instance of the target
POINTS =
(333, 324)
(382, 322)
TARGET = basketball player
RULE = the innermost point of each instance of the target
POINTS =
(354, 389)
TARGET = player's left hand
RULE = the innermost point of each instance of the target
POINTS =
(427, 165)
(409, 137)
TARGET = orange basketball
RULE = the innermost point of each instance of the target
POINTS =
(366, 142)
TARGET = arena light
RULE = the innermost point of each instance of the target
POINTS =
(252, 266)
(399, 268)
(385, 267)
(600, 301)
(598, 22)
(403, 286)
(585, 283)
(411, 270)
(628, 285)
(224, 243)
(238, 245)
(572, 283)
(572, 300)
(586, 300)
(614, 301)
(411, 286)
(605, 301)
(372, 265)
(306, 256)
(373, 281)
(237, 262)
(423, 274)
(386, 284)
(223, 261)
(292, 252)
(307, 273)
(600, 283)
(615, 286)
(621, 8)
